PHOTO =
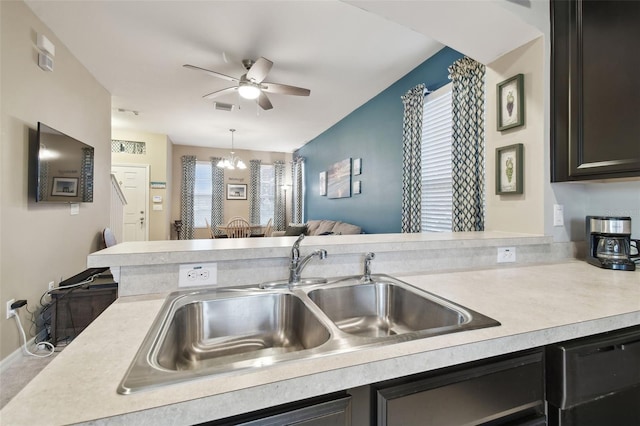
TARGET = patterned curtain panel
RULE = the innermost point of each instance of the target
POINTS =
(413, 102)
(297, 193)
(43, 180)
(279, 220)
(254, 191)
(186, 196)
(467, 146)
(86, 178)
(217, 196)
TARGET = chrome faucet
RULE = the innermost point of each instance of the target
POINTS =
(367, 267)
(296, 264)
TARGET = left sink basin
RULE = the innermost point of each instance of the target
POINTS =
(203, 333)
(216, 332)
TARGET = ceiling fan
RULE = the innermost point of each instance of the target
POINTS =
(252, 85)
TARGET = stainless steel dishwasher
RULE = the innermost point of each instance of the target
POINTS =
(595, 380)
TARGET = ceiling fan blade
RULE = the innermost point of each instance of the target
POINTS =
(264, 101)
(284, 89)
(259, 70)
(219, 93)
(213, 73)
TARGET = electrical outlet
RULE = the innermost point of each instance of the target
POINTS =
(506, 254)
(198, 274)
(52, 285)
(10, 312)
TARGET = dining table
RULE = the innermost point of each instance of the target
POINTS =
(256, 231)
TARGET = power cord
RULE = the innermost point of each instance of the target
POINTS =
(89, 280)
(17, 305)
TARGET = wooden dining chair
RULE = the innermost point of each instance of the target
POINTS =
(238, 228)
(269, 228)
(210, 229)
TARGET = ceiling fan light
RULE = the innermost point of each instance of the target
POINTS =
(248, 91)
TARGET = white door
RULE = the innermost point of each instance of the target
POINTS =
(134, 181)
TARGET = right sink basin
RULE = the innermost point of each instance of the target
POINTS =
(384, 309)
(387, 307)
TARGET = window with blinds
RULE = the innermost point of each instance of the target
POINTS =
(436, 161)
(267, 192)
(203, 190)
(202, 195)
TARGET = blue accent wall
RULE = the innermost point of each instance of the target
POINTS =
(373, 132)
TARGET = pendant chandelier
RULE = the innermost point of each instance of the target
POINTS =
(231, 162)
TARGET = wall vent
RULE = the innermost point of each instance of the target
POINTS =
(222, 106)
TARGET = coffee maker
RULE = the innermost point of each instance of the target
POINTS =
(609, 242)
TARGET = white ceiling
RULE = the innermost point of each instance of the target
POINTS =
(345, 53)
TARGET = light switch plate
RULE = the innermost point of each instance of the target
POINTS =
(558, 215)
(198, 274)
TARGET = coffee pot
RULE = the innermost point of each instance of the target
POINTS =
(609, 243)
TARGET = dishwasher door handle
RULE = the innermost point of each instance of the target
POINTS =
(630, 345)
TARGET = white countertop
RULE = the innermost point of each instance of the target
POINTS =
(536, 305)
(186, 251)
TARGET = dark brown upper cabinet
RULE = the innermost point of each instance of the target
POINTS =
(595, 89)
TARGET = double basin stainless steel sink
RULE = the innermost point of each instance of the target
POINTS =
(217, 331)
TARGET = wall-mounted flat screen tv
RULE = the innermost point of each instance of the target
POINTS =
(62, 167)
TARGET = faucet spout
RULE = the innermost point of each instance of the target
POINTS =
(297, 265)
(295, 250)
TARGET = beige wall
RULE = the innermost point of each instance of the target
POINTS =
(518, 213)
(231, 207)
(158, 158)
(43, 242)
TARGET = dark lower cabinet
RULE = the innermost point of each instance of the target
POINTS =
(75, 308)
(619, 409)
(595, 120)
(499, 391)
(506, 390)
(329, 410)
(595, 380)
(591, 381)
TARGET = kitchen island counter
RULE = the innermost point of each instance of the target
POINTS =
(535, 304)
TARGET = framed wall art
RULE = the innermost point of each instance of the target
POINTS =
(339, 179)
(357, 166)
(66, 187)
(236, 191)
(357, 187)
(511, 103)
(509, 169)
(322, 183)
